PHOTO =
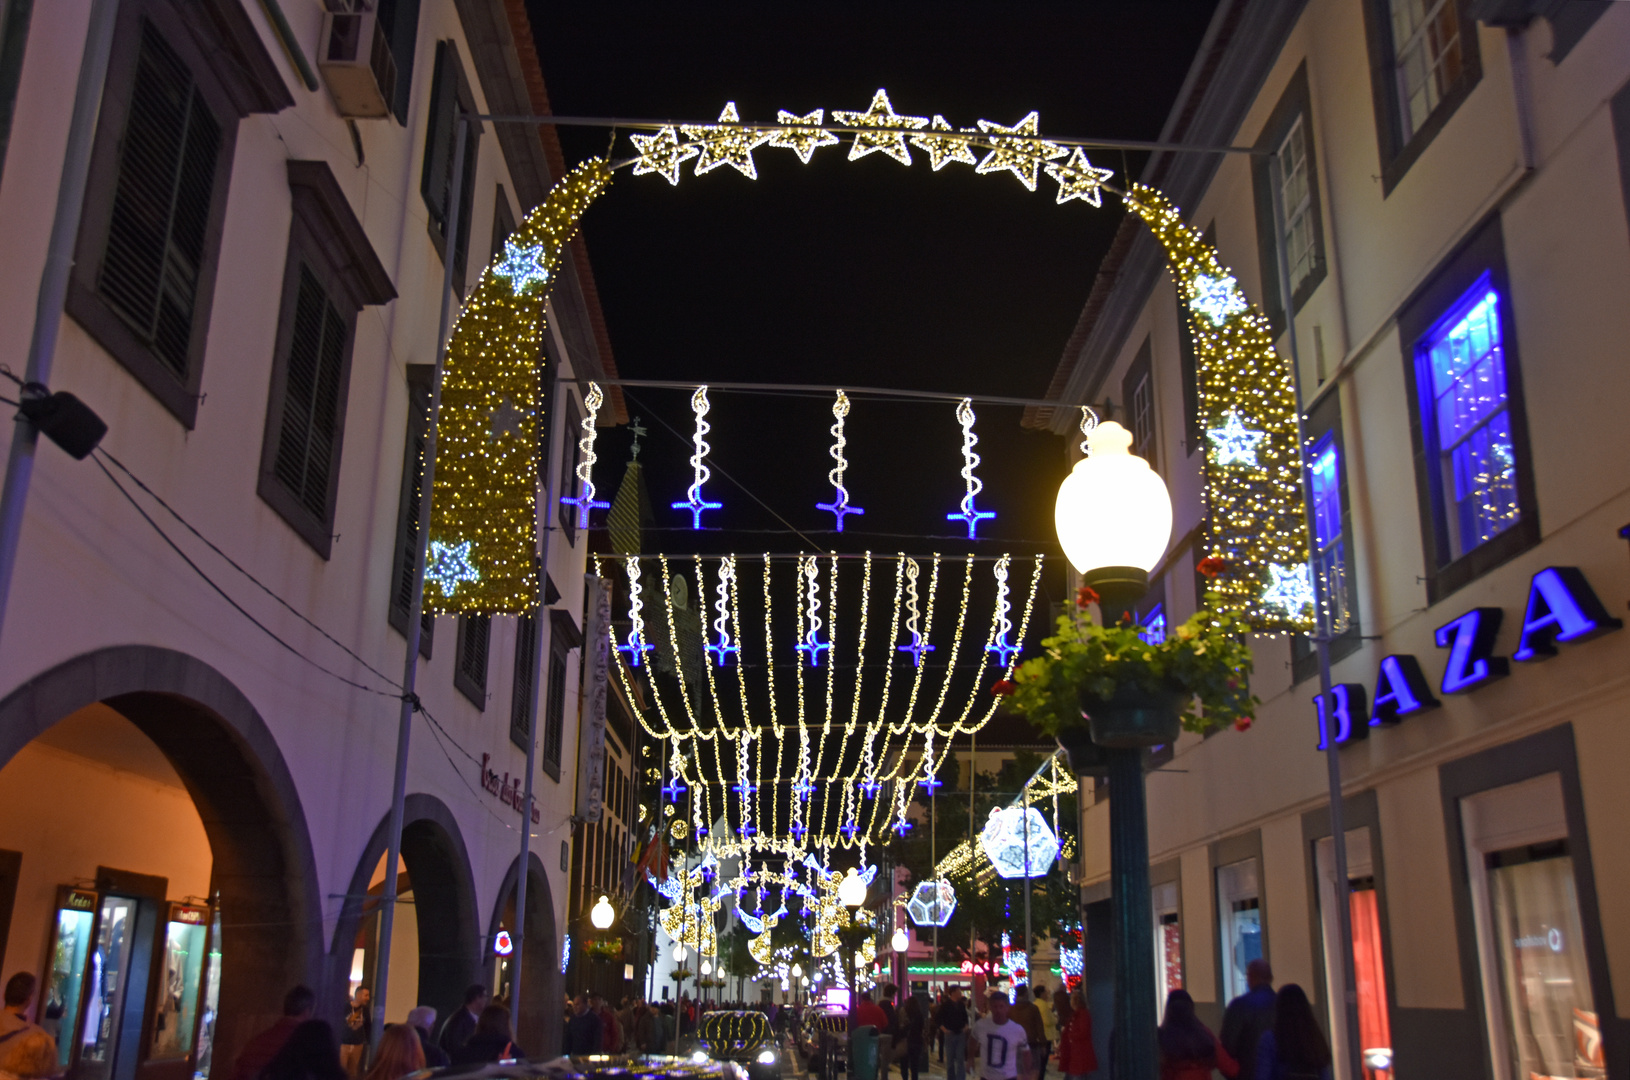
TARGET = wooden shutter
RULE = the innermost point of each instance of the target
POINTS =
(470, 675)
(400, 21)
(438, 145)
(406, 555)
(526, 662)
(554, 717)
(311, 397)
(161, 203)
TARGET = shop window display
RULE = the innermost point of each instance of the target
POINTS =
(1369, 965)
(175, 1017)
(1239, 915)
(65, 982)
(1168, 944)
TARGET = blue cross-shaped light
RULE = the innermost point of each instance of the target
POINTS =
(917, 647)
(903, 826)
(635, 648)
(696, 504)
(722, 651)
(673, 789)
(707, 871)
(449, 566)
(1002, 649)
(839, 506)
(798, 832)
(812, 648)
(804, 788)
(971, 515)
(870, 787)
(701, 830)
(932, 783)
(747, 829)
(584, 505)
(744, 788)
(523, 266)
(849, 830)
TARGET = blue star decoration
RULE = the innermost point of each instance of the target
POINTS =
(803, 788)
(839, 506)
(812, 648)
(971, 516)
(798, 832)
(917, 647)
(673, 789)
(870, 787)
(723, 650)
(585, 505)
(849, 829)
(1234, 443)
(1291, 590)
(449, 566)
(903, 826)
(635, 648)
(1216, 297)
(932, 783)
(523, 266)
(1002, 649)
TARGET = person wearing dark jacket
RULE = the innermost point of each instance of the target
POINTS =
(422, 1020)
(297, 1006)
(492, 1040)
(583, 1029)
(1295, 1048)
(1248, 1016)
(457, 1028)
(311, 1053)
(1188, 1049)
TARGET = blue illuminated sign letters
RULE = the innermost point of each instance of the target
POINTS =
(1561, 607)
(1400, 691)
(1470, 640)
(1337, 715)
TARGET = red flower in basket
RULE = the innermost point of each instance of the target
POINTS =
(1085, 595)
(1211, 566)
(1242, 723)
(1004, 687)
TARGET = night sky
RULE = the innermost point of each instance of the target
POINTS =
(864, 273)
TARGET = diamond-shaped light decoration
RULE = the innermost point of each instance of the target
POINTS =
(932, 903)
(1005, 844)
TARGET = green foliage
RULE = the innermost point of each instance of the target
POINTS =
(1206, 658)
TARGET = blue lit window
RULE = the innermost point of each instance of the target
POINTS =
(1467, 403)
(1154, 626)
(1329, 545)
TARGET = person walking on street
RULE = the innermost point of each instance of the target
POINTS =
(357, 1033)
(953, 1025)
(492, 1041)
(1294, 1048)
(309, 1054)
(400, 1053)
(1000, 1044)
(26, 1049)
(1188, 1049)
(297, 1006)
(912, 1021)
(1076, 1055)
(422, 1019)
(1249, 1016)
(1025, 1013)
(457, 1028)
(1049, 1030)
(583, 1029)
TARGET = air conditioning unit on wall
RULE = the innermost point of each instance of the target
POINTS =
(357, 64)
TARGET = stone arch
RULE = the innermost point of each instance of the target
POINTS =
(444, 902)
(542, 984)
(263, 869)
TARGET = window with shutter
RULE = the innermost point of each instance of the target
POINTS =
(449, 93)
(400, 21)
(305, 446)
(554, 713)
(503, 222)
(526, 663)
(14, 17)
(470, 664)
(405, 558)
(572, 423)
(161, 204)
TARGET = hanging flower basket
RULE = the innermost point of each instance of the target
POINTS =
(605, 950)
(680, 974)
(1099, 687)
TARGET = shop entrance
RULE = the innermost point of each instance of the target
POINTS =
(541, 980)
(158, 871)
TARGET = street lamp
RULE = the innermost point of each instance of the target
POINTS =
(852, 895)
(602, 915)
(900, 942)
(1114, 519)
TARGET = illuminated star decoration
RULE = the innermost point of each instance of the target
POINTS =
(839, 505)
(881, 114)
(1004, 625)
(919, 644)
(1079, 178)
(694, 501)
(1021, 157)
(968, 513)
(1291, 591)
(804, 135)
(731, 146)
(1216, 297)
(523, 266)
(449, 566)
(586, 502)
(722, 649)
(505, 420)
(946, 148)
(662, 154)
(1234, 443)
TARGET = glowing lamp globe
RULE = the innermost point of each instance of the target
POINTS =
(852, 890)
(707, 967)
(602, 915)
(797, 970)
(679, 954)
(1113, 511)
(900, 942)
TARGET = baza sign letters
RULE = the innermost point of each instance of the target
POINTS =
(1561, 608)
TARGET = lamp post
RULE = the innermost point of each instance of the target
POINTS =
(852, 895)
(1114, 519)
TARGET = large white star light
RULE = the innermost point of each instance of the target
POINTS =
(932, 903)
(449, 566)
(523, 266)
(1018, 842)
(1216, 297)
(1234, 443)
(1291, 590)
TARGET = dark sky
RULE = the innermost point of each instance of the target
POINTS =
(866, 272)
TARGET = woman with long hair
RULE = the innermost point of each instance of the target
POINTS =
(1295, 1048)
(1076, 1055)
(310, 1054)
(400, 1052)
(1188, 1049)
(492, 1040)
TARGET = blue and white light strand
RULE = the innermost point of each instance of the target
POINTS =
(694, 501)
(722, 648)
(1004, 626)
(969, 514)
(586, 459)
(919, 644)
(812, 645)
(635, 646)
(839, 505)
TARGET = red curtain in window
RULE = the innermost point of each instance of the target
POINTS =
(1375, 1033)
